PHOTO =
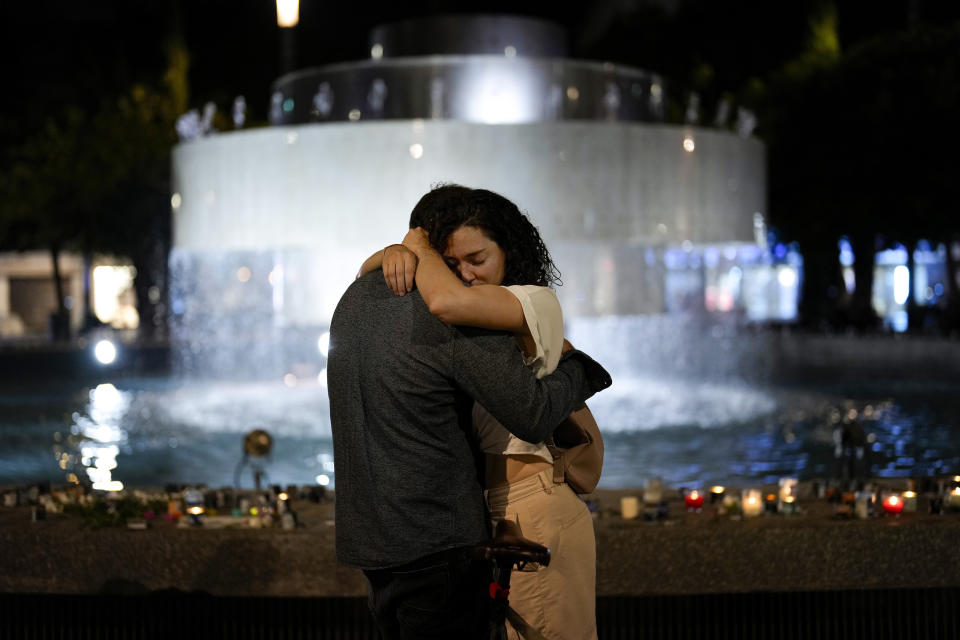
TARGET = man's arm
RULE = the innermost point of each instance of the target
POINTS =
(488, 366)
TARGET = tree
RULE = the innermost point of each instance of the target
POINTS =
(855, 149)
(99, 182)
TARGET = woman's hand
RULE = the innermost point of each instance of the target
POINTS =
(417, 240)
(399, 268)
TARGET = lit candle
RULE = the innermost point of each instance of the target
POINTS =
(752, 503)
(893, 504)
(731, 505)
(716, 494)
(195, 513)
(629, 507)
(770, 502)
(694, 500)
(954, 497)
(788, 506)
(910, 501)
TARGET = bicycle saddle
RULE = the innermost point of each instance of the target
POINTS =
(508, 545)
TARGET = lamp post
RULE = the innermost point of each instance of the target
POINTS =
(288, 15)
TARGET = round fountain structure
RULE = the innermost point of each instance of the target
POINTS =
(272, 224)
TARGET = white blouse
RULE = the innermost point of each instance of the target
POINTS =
(541, 310)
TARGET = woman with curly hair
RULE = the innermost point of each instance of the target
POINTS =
(478, 238)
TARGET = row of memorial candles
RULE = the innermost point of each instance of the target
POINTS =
(752, 502)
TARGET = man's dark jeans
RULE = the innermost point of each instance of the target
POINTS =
(443, 595)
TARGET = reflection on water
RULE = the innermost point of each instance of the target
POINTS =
(149, 432)
(99, 436)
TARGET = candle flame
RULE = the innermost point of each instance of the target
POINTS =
(909, 494)
(788, 499)
(893, 501)
(956, 491)
(717, 489)
(283, 496)
(195, 511)
(696, 494)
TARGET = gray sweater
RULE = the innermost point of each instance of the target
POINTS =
(401, 387)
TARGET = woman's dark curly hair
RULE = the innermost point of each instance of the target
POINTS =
(449, 207)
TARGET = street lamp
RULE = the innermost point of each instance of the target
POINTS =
(288, 15)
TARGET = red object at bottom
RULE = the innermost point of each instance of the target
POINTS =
(497, 592)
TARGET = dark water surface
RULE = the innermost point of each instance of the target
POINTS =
(152, 431)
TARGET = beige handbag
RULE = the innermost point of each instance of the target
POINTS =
(577, 449)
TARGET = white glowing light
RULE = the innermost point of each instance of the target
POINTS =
(688, 144)
(500, 98)
(176, 201)
(323, 343)
(376, 51)
(243, 274)
(323, 480)
(322, 378)
(354, 115)
(787, 277)
(510, 51)
(108, 485)
(110, 286)
(105, 352)
(901, 284)
(416, 151)
(288, 13)
(290, 380)
(292, 137)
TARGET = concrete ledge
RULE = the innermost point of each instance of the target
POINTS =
(690, 554)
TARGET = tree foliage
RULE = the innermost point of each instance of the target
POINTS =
(857, 147)
(97, 181)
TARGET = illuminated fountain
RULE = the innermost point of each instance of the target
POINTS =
(649, 222)
(270, 225)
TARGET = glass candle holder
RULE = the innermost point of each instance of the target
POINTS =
(910, 501)
(694, 500)
(716, 494)
(653, 492)
(752, 503)
(893, 504)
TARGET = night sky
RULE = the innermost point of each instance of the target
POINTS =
(58, 52)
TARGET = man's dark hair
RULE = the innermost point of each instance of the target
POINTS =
(449, 207)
